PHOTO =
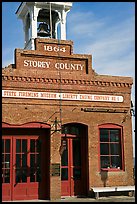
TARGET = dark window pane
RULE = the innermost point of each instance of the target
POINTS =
(116, 162)
(38, 145)
(76, 152)
(32, 175)
(77, 173)
(114, 135)
(74, 130)
(7, 146)
(7, 180)
(32, 145)
(32, 160)
(18, 146)
(105, 162)
(24, 160)
(2, 160)
(104, 137)
(24, 175)
(2, 175)
(24, 146)
(7, 157)
(64, 174)
(104, 149)
(38, 175)
(6, 165)
(38, 160)
(7, 161)
(2, 146)
(64, 157)
(65, 130)
(7, 176)
(18, 160)
(18, 176)
(115, 149)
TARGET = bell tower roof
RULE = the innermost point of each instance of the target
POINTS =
(43, 19)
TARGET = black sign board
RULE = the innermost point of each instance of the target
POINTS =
(55, 169)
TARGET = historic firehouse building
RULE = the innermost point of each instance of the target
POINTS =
(65, 128)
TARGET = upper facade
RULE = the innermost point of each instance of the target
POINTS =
(48, 63)
(54, 66)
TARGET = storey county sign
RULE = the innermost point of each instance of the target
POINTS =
(33, 60)
(61, 96)
(48, 64)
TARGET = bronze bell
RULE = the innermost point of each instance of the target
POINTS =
(43, 30)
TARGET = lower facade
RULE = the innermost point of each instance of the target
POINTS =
(27, 169)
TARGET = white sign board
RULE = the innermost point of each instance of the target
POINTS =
(61, 96)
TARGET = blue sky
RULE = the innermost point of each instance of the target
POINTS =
(106, 30)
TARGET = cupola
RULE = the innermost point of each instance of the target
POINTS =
(43, 20)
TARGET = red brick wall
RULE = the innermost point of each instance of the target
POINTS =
(19, 111)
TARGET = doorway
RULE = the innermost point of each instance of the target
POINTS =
(74, 161)
(25, 164)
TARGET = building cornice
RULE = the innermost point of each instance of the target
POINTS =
(66, 81)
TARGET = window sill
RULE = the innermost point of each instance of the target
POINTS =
(110, 169)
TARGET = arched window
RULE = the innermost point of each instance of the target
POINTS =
(111, 147)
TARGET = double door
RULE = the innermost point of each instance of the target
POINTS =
(73, 168)
(22, 167)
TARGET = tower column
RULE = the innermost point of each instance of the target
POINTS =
(33, 25)
(63, 25)
(56, 27)
(26, 26)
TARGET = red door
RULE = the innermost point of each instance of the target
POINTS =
(24, 175)
(6, 168)
(73, 164)
(26, 167)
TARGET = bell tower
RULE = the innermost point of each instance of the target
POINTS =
(43, 20)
